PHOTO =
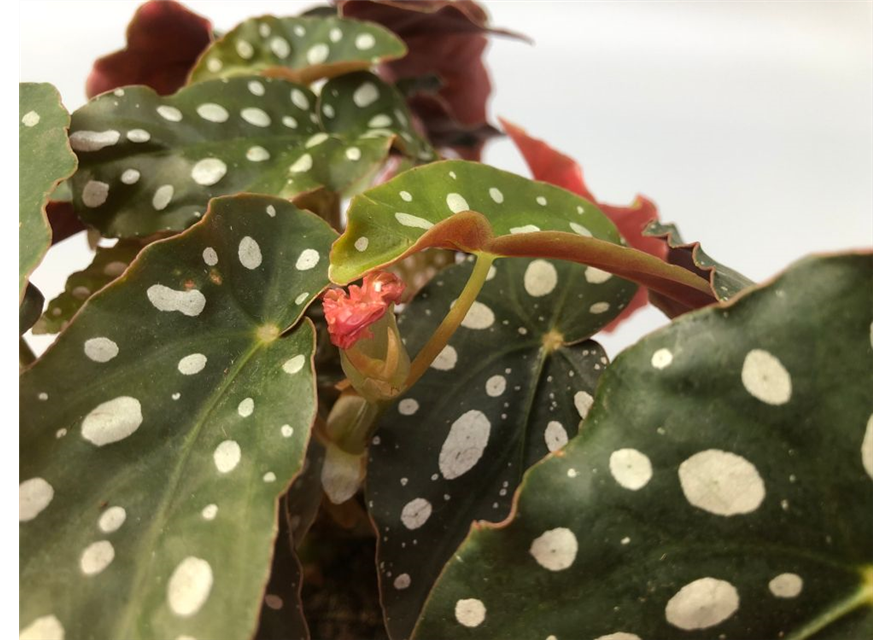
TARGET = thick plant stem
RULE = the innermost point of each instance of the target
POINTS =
(453, 319)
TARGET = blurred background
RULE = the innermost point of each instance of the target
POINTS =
(748, 123)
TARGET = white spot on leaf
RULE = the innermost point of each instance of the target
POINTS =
(596, 276)
(456, 203)
(112, 519)
(415, 513)
(446, 359)
(464, 445)
(95, 194)
(209, 256)
(212, 112)
(35, 495)
(189, 586)
(661, 359)
(701, 604)
(409, 220)
(630, 468)
(227, 456)
(162, 197)
(308, 259)
(786, 585)
(721, 483)
(192, 364)
(294, 365)
(765, 378)
(868, 448)
(556, 549)
(97, 557)
(408, 407)
(100, 349)
(93, 140)
(169, 113)
(189, 303)
(43, 628)
(479, 316)
(112, 421)
(249, 253)
(402, 581)
(583, 403)
(246, 407)
(555, 436)
(208, 172)
(366, 94)
(470, 612)
(540, 278)
(495, 386)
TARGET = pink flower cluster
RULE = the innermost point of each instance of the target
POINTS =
(349, 315)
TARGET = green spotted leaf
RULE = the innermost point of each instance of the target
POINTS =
(302, 49)
(163, 425)
(479, 209)
(108, 264)
(721, 485)
(724, 282)
(45, 160)
(511, 386)
(151, 163)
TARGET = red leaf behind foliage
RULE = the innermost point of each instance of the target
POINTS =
(552, 166)
(448, 39)
(164, 40)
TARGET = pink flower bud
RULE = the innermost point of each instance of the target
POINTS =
(350, 314)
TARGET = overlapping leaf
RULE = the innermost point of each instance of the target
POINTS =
(447, 39)
(552, 166)
(45, 160)
(282, 617)
(108, 264)
(510, 387)
(302, 49)
(724, 282)
(164, 39)
(30, 307)
(721, 485)
(479, 209)
(161, 427)
(150, 163)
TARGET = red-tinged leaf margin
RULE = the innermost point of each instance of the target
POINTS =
(550, 165)
(164, 39)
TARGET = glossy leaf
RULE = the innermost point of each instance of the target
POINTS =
(45, 160)
(164, 39)
(479, 209)
(150, 164)
(108, 264)
(447, 39)
(301, 49)
(720, 487)
(511, 386)
(162, 426)
(552, 166)
(724, 282)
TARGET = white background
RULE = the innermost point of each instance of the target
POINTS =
(749, 123)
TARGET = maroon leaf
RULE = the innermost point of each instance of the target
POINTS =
(445, 38)
(164, 39)
(552, 166)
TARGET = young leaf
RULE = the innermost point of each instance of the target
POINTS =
(479, 209)
(160, 428)
(108, 264)
(511, 386)
(552, 166)
(150, 164)
(721, 485)
(45, 160)
(724, 282)
(299, 49)
(163, 41)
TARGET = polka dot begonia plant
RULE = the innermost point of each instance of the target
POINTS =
(223, 443)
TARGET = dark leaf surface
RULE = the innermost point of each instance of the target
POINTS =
(721, 486)
(511, 386)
